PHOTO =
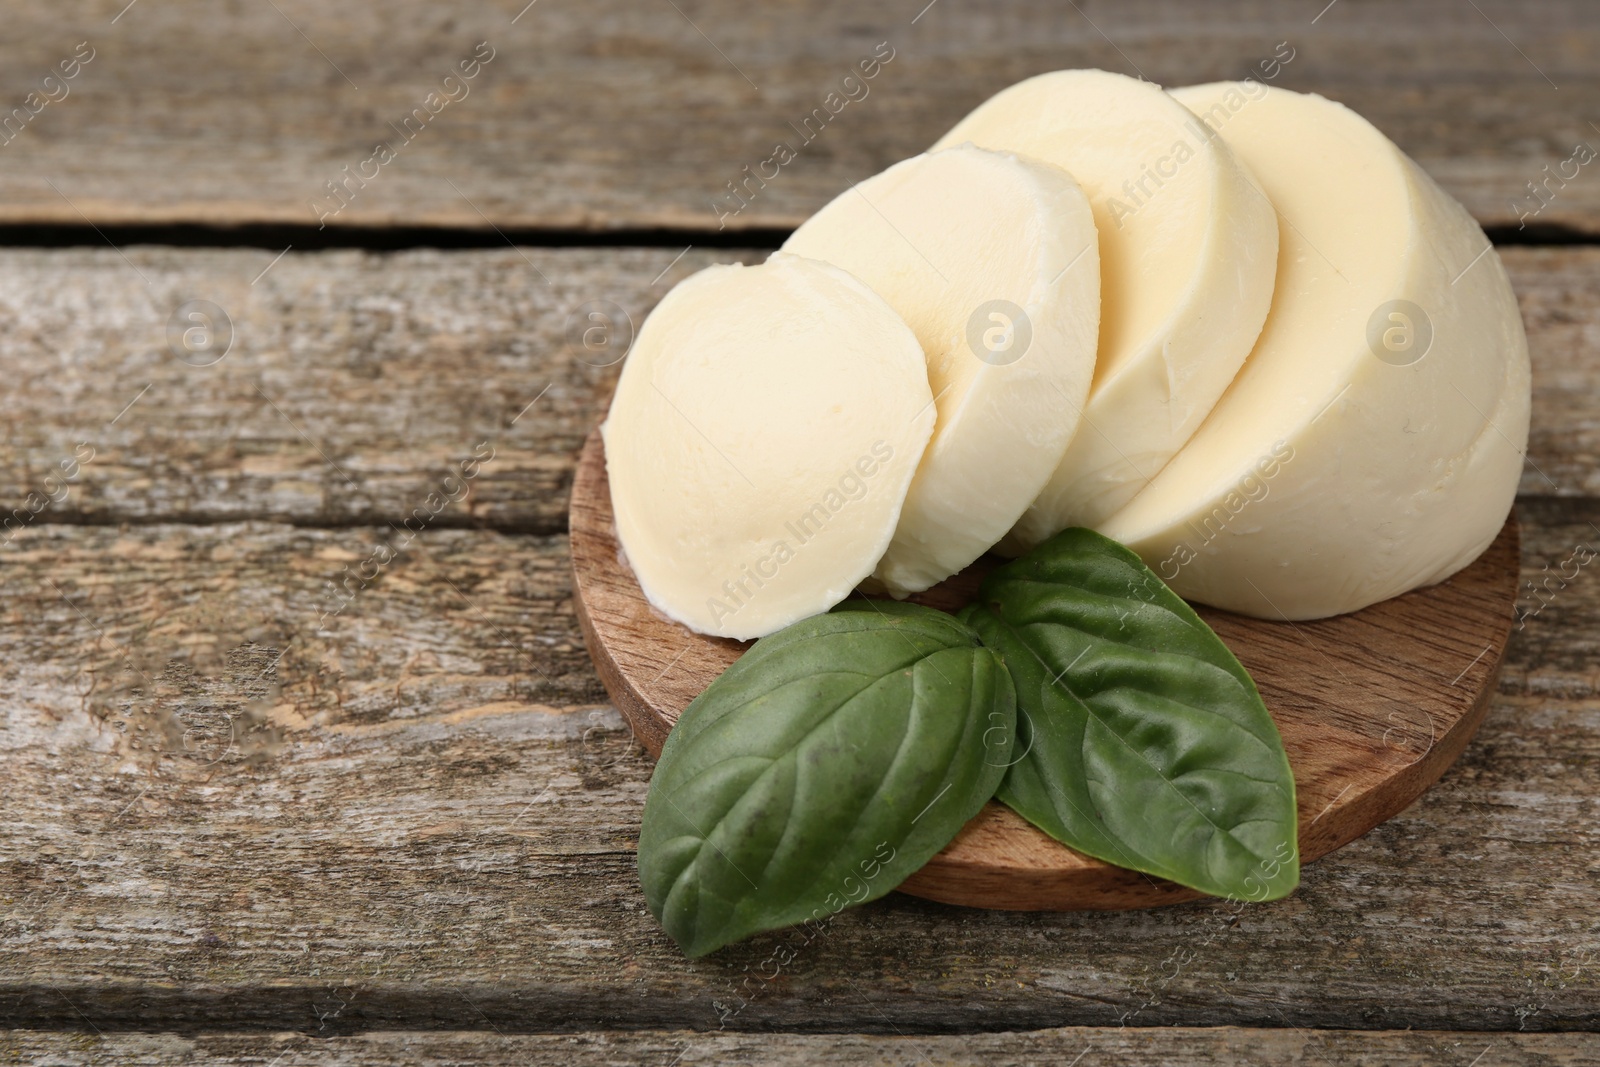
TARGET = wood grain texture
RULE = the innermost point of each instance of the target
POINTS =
(1216, 1047)
(393, 366)
(354, 385)
(230, 806)
(610, 114)
(1372, 706)
(422, 815)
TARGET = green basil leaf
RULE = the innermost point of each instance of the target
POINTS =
(1141, 740)
(823, 768)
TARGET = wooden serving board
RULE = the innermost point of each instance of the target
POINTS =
(1373, 706)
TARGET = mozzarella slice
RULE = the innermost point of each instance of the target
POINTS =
(1373, 441)
(762, 438)
(992, 260)
(1187, 251)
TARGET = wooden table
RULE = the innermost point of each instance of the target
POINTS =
(251, 819)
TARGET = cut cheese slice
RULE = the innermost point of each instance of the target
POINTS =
(992, 260)
(1373, 441)
(1188, 245)
(762, 438)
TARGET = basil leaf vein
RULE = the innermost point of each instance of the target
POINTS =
(823, 768)
(1142, 739)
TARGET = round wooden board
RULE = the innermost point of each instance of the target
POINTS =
(1372, 706)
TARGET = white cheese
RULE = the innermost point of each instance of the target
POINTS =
(1188, 245)
(1373, 441)
(762, 438)
(993, 262)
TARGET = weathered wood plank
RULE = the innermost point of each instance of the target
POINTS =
(222, 813)
(610, 114)
(357, 381)
(1219, 1047)
(1559, 294)
(354, 385)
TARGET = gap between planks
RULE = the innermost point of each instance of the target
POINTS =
(276, 237)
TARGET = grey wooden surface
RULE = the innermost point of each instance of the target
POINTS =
(419, 812)
(614, 114)
(355, 379)
(353, 382)
(1127, 1047)
(249, 822)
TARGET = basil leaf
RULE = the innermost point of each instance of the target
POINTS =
(822, 769)
(1142, 741)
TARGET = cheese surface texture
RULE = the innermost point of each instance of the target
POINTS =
(992, 261)
(763, 434)
(1188, 250)
(1373, 440)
